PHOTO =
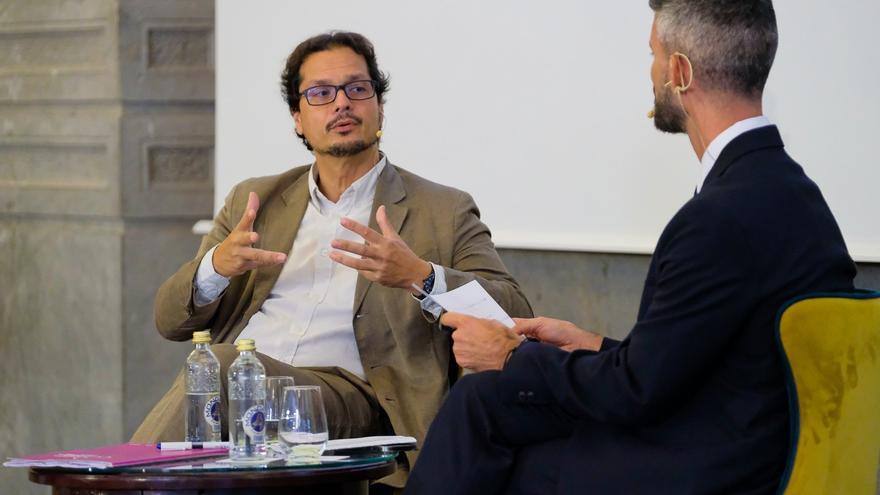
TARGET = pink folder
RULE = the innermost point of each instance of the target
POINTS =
(126, 454)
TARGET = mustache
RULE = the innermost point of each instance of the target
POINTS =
(343, 116)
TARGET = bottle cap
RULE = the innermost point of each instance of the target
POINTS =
(203, 337)
(245, 345)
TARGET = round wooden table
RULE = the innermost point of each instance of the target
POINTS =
(338, 478)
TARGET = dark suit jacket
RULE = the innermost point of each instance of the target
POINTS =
(693, 400)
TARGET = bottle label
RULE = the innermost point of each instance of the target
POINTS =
(211, 413)
(254, 422)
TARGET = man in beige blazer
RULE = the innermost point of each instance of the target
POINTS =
(267, 249)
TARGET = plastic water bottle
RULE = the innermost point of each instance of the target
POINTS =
(247, 403)
(202, 414)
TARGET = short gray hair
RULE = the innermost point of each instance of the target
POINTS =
(731, 43)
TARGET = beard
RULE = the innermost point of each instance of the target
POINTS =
(668, 114)
(345, 149)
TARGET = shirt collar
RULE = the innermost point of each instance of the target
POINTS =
(713, 151)
(360, 190)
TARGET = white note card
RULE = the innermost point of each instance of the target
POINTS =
(473, 300)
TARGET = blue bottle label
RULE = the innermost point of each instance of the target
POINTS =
(254, 423)
(211, 413)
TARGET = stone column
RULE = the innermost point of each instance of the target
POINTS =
(106, 161)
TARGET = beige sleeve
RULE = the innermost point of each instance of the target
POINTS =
(176, 314)
(475, 258)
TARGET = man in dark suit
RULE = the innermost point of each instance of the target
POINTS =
(693, 400)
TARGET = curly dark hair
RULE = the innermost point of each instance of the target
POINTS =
(291, 77)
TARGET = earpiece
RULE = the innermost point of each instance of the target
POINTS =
(677, 89)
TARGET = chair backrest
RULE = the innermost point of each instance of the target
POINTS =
(831, 343)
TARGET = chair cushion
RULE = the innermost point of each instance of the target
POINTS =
(832, 345)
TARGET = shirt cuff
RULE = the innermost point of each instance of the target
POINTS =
(428, 305)
(209, 284)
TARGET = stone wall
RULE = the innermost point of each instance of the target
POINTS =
(106, 160)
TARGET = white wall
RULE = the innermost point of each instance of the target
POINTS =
(540, 109)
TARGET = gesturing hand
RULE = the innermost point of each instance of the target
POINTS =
(235, 255)
(562, 334)
(480, 344)
(384, 258)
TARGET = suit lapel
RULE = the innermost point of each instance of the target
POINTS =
(389, 192)
(277, 223)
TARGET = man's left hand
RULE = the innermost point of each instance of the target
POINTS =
(480, 344)
(384, 258)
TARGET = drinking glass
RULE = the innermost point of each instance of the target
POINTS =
(303, 426)
(275, 386)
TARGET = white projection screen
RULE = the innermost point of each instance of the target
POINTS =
(538, 109)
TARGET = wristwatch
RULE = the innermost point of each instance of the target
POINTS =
(427, 283)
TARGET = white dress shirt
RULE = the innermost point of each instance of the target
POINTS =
(307, 318)
(722, 140)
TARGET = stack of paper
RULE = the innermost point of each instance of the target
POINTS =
(391, 442)
(473, 300)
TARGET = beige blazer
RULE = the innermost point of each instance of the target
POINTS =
(407, 358)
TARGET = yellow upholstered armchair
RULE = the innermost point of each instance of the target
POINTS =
(831, 343)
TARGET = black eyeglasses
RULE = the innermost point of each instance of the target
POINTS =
(355, 90)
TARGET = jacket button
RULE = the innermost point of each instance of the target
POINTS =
(521, 396)
(530, 395)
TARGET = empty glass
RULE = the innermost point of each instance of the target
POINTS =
(275, 386)
(303, 426)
